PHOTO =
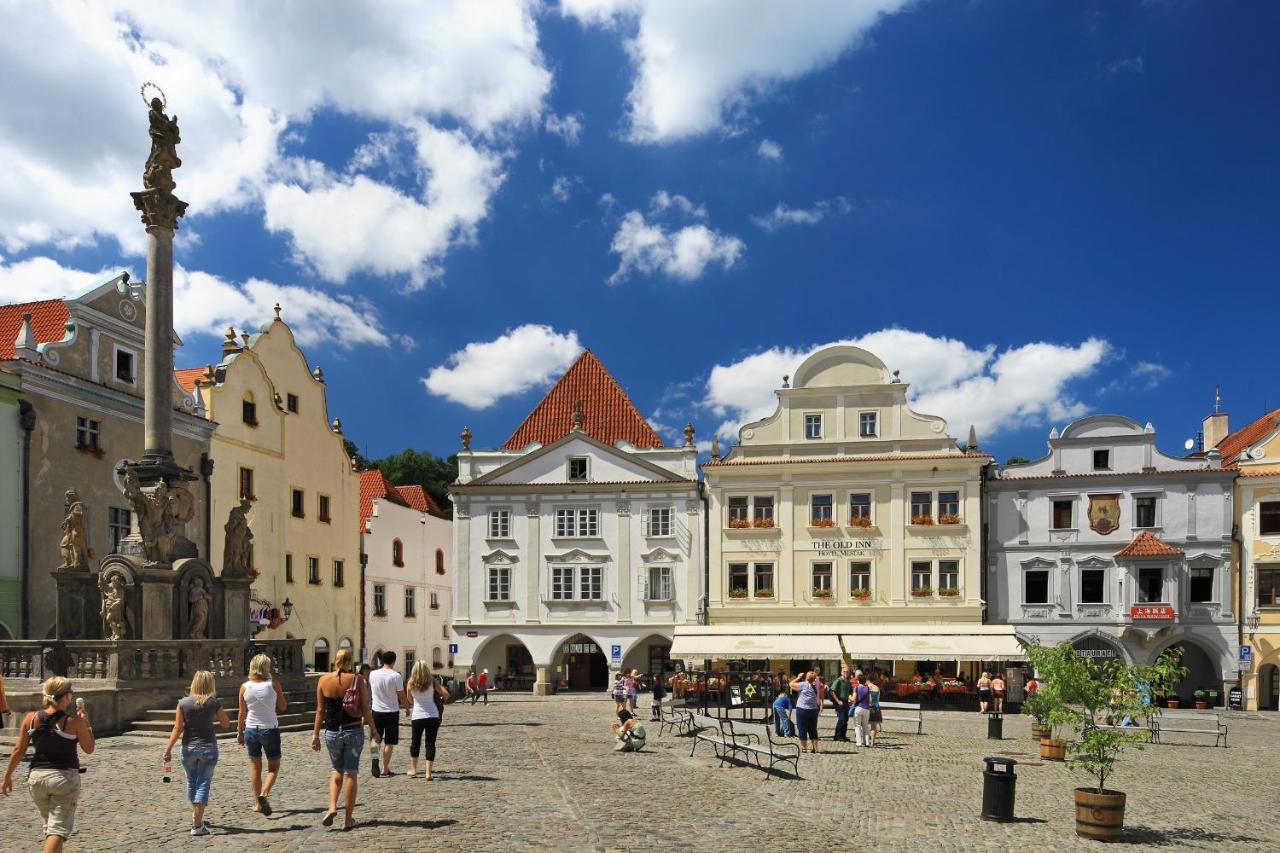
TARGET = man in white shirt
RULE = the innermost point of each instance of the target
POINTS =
(387, 687)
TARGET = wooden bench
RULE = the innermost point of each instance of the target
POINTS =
(713, 731)
(678, 720)
(1150, 728)
(906, 712)
(754, 739)
(1193, 723)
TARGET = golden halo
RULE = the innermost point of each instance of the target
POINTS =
(164, 102)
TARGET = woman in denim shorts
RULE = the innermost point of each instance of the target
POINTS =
(193, 721)
(343, 732)
(259, 728)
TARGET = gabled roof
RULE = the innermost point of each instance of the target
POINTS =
(1147, 544)
(660, 474)
(417, 497)
(1248, 435)
(608, 413)
(48, 321)
(187, 377)
(374, 485)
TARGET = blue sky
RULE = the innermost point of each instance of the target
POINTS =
(1035, 210)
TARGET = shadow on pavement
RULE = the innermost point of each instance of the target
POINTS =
(490, 725)
(414, 824)
(244, 830)
(1179, 836)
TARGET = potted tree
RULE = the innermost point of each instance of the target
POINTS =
(1036, 705)
(1202, 699)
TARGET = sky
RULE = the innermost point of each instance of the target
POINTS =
(1034, 210)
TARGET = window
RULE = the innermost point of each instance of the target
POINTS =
(577, 522)
(246, 485)
(410, 658)
(397, 552)
(577, 467)
(437, 660)
(1062, 514)
(820, 510)
(88, 434)
(291, 403)
(288, 568)
(591, 583)
(444, 630)
(860, 508)
(1268, 587)
(124, 366)
(738, 509)
(322, 511)
(867, 425)
(660, 521)
(379, 599)
(859, 577)
(813, 426)
(1269, 518)
(410, 602)
(1144, 511)
(1150, 585)
(764, 580)
(561, 583)
(1202, 585)
(1093, 586)
(659, 588)
(921, 576)
(118, 526)
(313, 570)
(764, 508)
(921, 506)
(1035, 586)
(439, 561)
(435, 601)
(249, 412)
(949, 574)
(338, 568)
(738, 580)
(499, 583)
(822, 580)
(1102, 460)
(298, 504)
(500, 524)
(949, 504)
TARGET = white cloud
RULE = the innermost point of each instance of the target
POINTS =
(480, 374)
(781, 216)
(648, 248)
(1150, 373)
(561, 189)
(769, 150)
(664, 201)
(1022, 385)
(567, 127)
(698, 65)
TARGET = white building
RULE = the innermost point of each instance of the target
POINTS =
(1117, 548)
(408, 586)
(578, 542)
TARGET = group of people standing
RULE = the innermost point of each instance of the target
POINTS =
(856, 697)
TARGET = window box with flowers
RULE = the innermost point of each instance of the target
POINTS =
(950, 518)
(861, 522)
(738, 592)
(739, 523)
(763, 524)
(821, 522)
(861, 595)
(922, 520)
(922, 592)
(949, 592)
(764, 593)
(740, 528)
(822, 594)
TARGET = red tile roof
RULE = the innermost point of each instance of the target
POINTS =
(375, 485)
(871, 457)
(1231, 446)
(1147, 544)
(417, 497)
(608, 413)
(48, 321)
(187, 377)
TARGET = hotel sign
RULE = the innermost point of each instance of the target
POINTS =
(1150, 611)
(845, 547)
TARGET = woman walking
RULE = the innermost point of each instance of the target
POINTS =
(808, 701)
(984, 692)
(427, 696)
(259, 728)
(877, 715)
(997, 692)
(54, 777)
(193, 722)
(342, 710)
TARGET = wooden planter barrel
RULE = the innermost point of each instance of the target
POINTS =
(1099, 816)
(1053, 750)
(1038, 731)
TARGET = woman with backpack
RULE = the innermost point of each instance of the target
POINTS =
(193, 722)
(342, 710)
(427, 696)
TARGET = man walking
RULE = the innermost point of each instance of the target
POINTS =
(482, 688)
(387, 687)
(839, 693)
(862, 712)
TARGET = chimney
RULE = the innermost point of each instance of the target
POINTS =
(1215, 425)
(24, 346)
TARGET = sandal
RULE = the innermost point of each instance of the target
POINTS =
(328, 818)
(350, 826)
(263, 806)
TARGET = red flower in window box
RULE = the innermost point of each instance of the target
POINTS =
(950, 518)
(859, 521)
(949, 592)
(821, 522)
(922, 519)
(861, 594)
(922, 592)
(738, 592)
(738, 523)
(763, 523)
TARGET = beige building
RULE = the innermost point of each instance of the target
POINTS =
(276, 446)
(80, 362)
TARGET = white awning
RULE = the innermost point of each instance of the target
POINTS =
(754, 642)
(933, 642)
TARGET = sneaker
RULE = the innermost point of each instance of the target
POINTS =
(202, 829)
(376, 771)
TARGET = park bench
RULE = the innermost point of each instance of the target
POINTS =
(713, 731)
(678, 720)
(756, 740)
(1150, 729)
(905, 712)
(1192, 722)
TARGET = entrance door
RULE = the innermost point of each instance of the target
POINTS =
(586, 667)
(1269, 688)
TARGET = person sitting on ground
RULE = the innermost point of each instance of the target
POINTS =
(631, 735)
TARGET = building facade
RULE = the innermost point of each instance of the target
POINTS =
(80, 362)
(276, 447)
(12, 502)
(841, 526)
(408, 577)
(1117, 548)
(578, 542)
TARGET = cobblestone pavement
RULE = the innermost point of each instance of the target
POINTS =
(526, 774)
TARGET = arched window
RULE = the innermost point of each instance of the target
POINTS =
(321, 653)
(345, 643)
(439, 561)
(437, 660)
(397, 552)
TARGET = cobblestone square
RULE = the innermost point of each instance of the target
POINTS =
(525, 773)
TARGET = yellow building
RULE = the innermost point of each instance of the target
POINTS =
(275, 445)
(845, 524)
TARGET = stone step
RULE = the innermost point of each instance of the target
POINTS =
(234, 713)
(163, 731)
(160, 724)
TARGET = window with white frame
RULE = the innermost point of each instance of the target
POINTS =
(659, 586)
(867, 425)
(762, 509)
(1063, 513)
(1093, 586)
(500, 524)
(591, 583)
(577, 523)
(88, 433)
(813, 426)
(379, 599)
(820, 507)
(762, 579)
(821, 580)
(860, 508)
(499, 583)
(948, 506)
(1144, 511)
(561, 583)
(859, 577)
(410, 602)
(921, 576)
(922, 507)
(125, 366)
(119, 525)
(660, 521)
(435, 601)
(739, 509)
(578, 468)
(949, 575)
(1201, 587)
(577, 583)
(1035, 586)
(739, 577)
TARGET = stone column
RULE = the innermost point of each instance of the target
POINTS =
(626, 589)
(158, 415)
(542, 680)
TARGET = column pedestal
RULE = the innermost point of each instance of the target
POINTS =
(542, 681)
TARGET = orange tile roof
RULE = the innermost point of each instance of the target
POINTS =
(1231, 446)
(48, 321)
(417, 497)
(374, 485)
(1147, 544)
(187, 377)
(608, 413)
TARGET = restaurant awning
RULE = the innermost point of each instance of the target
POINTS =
(754, 642)
(932, 642)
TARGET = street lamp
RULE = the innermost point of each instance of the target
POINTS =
(288, 608)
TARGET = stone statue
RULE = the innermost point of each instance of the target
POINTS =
(178, 508)
(163, 159)
(75, 552)
(237, 553)
(113, 607)
(198, 610)
(151, 511)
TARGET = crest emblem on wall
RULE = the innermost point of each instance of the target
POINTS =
(1104, 513)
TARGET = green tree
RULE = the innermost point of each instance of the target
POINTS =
(412, 467)
(1017, 460)
(362, 463)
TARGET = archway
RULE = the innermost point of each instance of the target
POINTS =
(1098, 648)
(582, 665)
(651, 655)
(1202, 671)
(508, 660)
(321, 655)
(1269, 688)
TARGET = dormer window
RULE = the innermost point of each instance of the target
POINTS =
(124, 366)
(813, 426)
(578, 468)
(1102, 460)
(249, 412)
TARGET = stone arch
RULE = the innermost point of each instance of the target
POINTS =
(577, 666)
(397, 552)
(510, 653)
(1269, 687)
(439, 561)
(1202, 661)
(1095, 640)
(112, 567)
(637, 655)
(320, 654)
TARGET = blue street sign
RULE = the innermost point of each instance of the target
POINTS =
(615, 652)
(453, 648)
(1246, 655)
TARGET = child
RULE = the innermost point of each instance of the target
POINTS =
(659, 691)
(619, 693)
(782, 708)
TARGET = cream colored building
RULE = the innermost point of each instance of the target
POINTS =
(276, 446)
(845, 524)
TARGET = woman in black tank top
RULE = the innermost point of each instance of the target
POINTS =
(343, 731)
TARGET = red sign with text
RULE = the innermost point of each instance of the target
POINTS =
(1151, 611)
(471, 635)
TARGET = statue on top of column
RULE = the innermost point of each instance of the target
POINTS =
(163, 159)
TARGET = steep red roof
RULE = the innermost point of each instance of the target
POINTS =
(417, 497)
(608, 413)
(187, 377)
(373, 485)
(1231, 446)
(48, 321)
(1147, 544)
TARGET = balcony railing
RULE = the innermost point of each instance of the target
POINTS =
(145, 660)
